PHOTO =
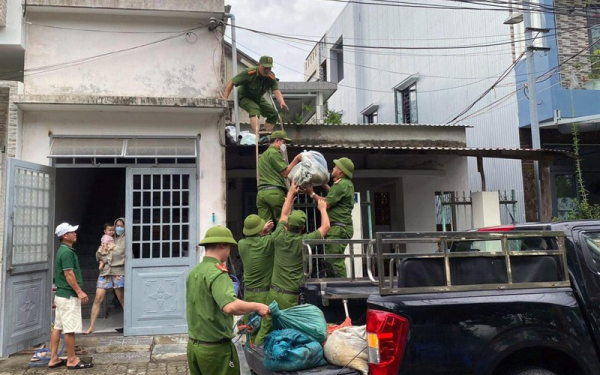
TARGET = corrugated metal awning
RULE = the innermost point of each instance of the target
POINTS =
(74, 147)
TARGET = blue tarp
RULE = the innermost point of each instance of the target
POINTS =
(290, 350)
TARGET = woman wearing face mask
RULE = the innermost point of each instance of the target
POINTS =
(112, 276)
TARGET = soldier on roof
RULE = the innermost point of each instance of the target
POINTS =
(253, 83)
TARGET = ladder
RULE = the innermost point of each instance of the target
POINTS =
(259, 133)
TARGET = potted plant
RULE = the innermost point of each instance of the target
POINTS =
(593, 79)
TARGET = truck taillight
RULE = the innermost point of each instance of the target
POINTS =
(497, 228)
(386, 339)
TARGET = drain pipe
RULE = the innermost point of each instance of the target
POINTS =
(236, 107)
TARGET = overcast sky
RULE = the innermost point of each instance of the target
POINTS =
(297, 17)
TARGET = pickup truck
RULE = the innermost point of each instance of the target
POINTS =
(522, 299)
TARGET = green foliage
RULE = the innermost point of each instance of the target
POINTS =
(583, 209)
(595, 63)
(333, 117)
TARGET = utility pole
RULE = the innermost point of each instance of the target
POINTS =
(533, 112)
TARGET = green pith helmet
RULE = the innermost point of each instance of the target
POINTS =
(346, 165)
(297, 219)
(253, 225)
(218, 234)
(280, 134)
(266, 61)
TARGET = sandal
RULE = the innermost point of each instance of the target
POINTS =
(81, 365)
(58, 364)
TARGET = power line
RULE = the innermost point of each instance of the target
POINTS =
(58, 66)
(110, 31)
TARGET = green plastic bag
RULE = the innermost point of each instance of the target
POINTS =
(308, 319)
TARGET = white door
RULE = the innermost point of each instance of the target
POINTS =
(27, 252)
(161, 241)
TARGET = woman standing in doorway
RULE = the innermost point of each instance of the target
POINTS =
(112, 276)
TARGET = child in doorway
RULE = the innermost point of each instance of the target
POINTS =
(107, 245)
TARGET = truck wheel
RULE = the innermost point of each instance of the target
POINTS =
(530, 370)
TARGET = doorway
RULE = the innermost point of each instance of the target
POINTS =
(90, 197)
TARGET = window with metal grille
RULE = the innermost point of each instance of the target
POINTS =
(406, 105)
(371, 118)
(593, 16)
(381, 204)
(444, 212)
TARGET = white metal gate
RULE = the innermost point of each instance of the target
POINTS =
(161, 241)
(27, 253)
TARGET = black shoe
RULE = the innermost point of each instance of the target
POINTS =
(120, 330)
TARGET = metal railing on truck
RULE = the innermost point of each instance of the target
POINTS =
(508, 261)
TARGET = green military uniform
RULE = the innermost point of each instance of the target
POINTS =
(252, 88)
(288, 272)
(271, 184)
(208, 289)
(66, 259)
(341, 202)
(257, 257)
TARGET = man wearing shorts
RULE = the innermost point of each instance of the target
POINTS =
(68, 299)
(253, 83)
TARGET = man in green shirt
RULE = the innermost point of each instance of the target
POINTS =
(253, 84)
(340, 202)
(288, 272)
(68, 299)
(273, 171)
(211, 304)
(256, 251)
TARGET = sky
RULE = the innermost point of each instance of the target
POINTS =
(309, 18)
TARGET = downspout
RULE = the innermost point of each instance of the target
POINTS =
(236, 108)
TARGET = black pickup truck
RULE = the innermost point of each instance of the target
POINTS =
(508, 300)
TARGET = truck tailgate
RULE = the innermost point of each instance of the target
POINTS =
(255, 356)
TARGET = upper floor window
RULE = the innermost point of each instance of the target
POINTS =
(337, 61)
(594, 31)
(406, 105)
(370, 114)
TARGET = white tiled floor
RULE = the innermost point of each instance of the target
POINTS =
(112, 321)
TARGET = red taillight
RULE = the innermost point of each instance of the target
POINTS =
(386, 340)
(498, 228)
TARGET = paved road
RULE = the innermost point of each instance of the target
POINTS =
(133, 368)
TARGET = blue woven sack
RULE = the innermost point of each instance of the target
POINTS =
(290, 350)
(308, 319)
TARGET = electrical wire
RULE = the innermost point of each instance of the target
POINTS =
(108, 31)
(58, 66)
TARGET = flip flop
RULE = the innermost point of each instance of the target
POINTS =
(81, 365)
(61, 363)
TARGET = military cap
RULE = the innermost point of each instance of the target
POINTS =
(253, 225)
(346, 165)
(297, 219)
(218, 234)
(266, 61)
(280, 134)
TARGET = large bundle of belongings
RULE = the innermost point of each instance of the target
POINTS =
(301, 341)
(312, 170)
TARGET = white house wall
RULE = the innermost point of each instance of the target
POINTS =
(180, 67)
(468, 72)
(419, 198)
(38, 125)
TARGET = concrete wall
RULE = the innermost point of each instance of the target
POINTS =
(211, 192)
(449, 80)
(179, 67)
(173, 6)
(419, 198)
(10, 22)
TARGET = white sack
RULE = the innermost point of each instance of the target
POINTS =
(312, 170)
(344, 344)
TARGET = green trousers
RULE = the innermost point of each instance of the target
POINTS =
(261, 107)
(284, 301)
(337, 267)
(269, 204)
(260, 297)
(213, 359)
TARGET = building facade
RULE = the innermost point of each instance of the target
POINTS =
(568, 92)
(119, 113)
(416, 75)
